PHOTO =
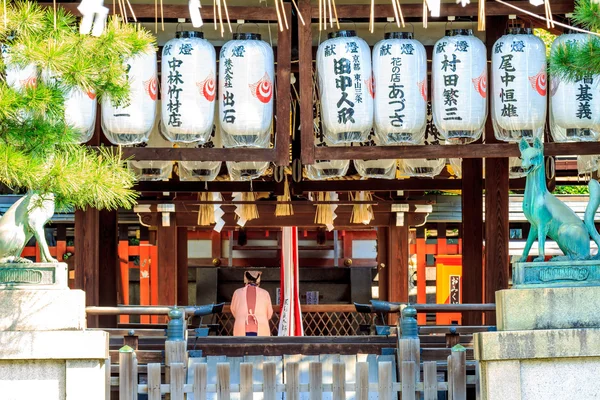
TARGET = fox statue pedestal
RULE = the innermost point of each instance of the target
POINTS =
(45, 350)
(547, 345)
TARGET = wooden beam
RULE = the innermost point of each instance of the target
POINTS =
(182, 266)
(284, 64)
(108, 261)
(472, 237)
(216, 186)
(87, 268)
(167, 264)
(447, 9)
(176, 11)
(190, 154)
(383, 185)
(487, 150)
(307, 140)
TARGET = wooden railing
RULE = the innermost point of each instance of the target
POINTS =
(319, 376)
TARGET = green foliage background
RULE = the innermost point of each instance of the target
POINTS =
(37, 148)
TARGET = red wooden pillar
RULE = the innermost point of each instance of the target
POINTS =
(421, 273)
(61, 242)
(123, 250)
(144, 272)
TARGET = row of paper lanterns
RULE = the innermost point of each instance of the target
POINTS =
(394, 103)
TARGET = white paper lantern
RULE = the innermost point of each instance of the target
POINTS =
(16, 76)
(346, 87)
(400, 76)
(459, 80)
(188, 85)
(519, 86)
(246, 76)
(380, 169)
(456, 167)
(200, 170)
(155, 170)
(80, 112)
(325, 169)
(515, 169)
(80, 107)
(421, 167)
(574, 106)
(246, 170)
(132, 123)
(587, 164)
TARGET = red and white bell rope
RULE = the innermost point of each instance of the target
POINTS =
(290, 321)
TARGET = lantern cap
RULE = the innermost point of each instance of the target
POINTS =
(459, 32)
(189, 34)
(345, 33)
(398, 35)
(246, 36)
(519, 31)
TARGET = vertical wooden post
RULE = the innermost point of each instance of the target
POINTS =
(472, 235)
(382, 261)
(315, 382)
(284, 60)
(269, 381)
(175, 354)
(87, 269)
(61, 242)
(126, 377)
(223, 384)
(421, 273)
(246, 382)
(200, 381)
(496, 201)
(144, 250)
(307, 139)
(408, 383)
(430, 391)
(154, 381)
(108, 260)
(182, 266)
(292, 385)
(167, 265)
(385, 380)
(177, 374)
(339, 381)
(458, 373)
(123, 254)
(362, 381)
(398, 265)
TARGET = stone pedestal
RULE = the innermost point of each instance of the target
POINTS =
(45, 350)
(547, 345)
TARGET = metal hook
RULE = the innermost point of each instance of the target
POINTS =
(278, 174)
(296, 170)
(237, 29)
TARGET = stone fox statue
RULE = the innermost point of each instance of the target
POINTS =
(24, 219)
(551, 217)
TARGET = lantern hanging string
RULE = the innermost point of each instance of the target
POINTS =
(481, 16)
(544, 18)
(162, 16)
(320, 16)
(215, 14)
(337, 23)
(284, 15)
(372, 17)
(220, 17)
(6, 14)
(227, 15)
(155, 16)
(399, 8)
(549, 18)
(132, 13)
(425, 14)
(299, 13)
(278, 15)
(330, 13)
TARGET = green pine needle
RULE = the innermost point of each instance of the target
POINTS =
(37, 150)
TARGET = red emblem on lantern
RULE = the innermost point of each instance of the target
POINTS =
(151, 87)
(538, 81)
(480, 84)
(263, 89)
(371, 85)
(207, 87)
(30, 82)
(91, 95)
(423, 88)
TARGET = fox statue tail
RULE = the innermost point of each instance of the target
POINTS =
(590, 212)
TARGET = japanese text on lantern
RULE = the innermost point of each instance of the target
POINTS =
(396, 94)
(228, 97)
(342, 68)
(507, 77)
(451, 93)
(584, 96)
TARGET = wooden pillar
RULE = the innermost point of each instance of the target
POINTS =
(383, 264)
(167, 265)
(108, 264)
(182, 266)
(496, 200)
(421, 272)
(87, 249)
(472, 237)
(398, 263)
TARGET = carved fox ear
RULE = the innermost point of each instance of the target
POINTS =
(523, 145)
(538, 144)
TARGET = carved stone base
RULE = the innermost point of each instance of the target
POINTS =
(550, 308)
(28, 276)
(539, 365)
(556, 274)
